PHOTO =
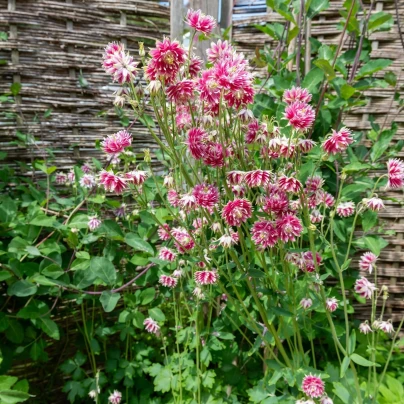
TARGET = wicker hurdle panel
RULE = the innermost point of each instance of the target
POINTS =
(381, 106)
(51, 45)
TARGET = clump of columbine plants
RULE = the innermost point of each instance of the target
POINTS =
(248, 242)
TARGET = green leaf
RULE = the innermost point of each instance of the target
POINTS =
(326, 67)
(102, 268)
(32, 250)
(14, 332)
(138, 319)
(344, 366)
(347, 91)
(79, 222)
(15, 88)
(162, 382)
(352, 342)
(395, 386)
(138, 244)
(157, 314)
(147, 295)
(380, 21)
(369, 220)
(43, 220)
(111, 229)
(147, 120)
(375, 243)
(382, 144)
(13, 396)
(373, 66)
(22, 288)
(109, 300)
(391, 78)
(316, 7)
(49, 327)
(7, 381)
(360, 360)
(34, 310)
(342, 392)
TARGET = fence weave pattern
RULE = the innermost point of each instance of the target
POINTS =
(54, 50)
(381, 106)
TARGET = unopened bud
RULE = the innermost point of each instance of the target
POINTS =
(142, 52)
(147, 157)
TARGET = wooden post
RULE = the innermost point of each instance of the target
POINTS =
(177, 14)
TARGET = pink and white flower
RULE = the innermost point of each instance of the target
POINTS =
(235, 177)
(115, 397)
(173, 198)
(345, 209)
(87, 181)
(326, 400)
(228, 239)
(257, 178)
(181, 92)
(365, 328)
(313, 386)
(300, 115)
(183, 240)
(367, 261)
(375, 204)
(117, 142)
(168, 281)
(166, 254)
(296, 94)
(206, 196)
(200, 22)
(206, 277)
(163, 232)
(61, 178)
(136, 177)
(289, 227)
(338, 141)
(264, 234)
(237, 212)
(151, 325)
(219, 50)
(331, 304)
(93, 223)
(289, 184)
(118, 63)
(112, 182)
(364, 288)
(306, 303)
(385, 326)
(395, 172)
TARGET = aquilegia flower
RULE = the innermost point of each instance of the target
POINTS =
(151, 325)
(395, 171)
(367, 261)
(365, 328)
(237, 212)
(112, 182)
(313, 386)
(166, 254)
(375, 204)
(296, 94)
(115, 397)
(345, 209)
(206, 277)
(200, 22)
(289, 227)
(338, 141)
(93, 223)
(257, 178)
(168, 281)
(331, 304)
(61, 178)
(306, 303)
(87, 181)
(136, 177)
(206, 196)
(364, 288)
(118, 63)
(326, 400)
(181, 92)
(289, 184)
(117, 142)
(300, 115)
(264, 234)
(385, 326)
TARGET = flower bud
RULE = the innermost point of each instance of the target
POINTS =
(142, 52)
(147, 157)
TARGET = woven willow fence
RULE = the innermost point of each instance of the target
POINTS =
(54, 50)
(381, 106)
